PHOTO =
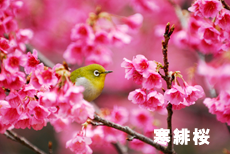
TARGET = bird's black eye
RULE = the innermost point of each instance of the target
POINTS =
(96, 73)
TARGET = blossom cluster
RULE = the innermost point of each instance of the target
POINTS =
(208, 32)
(104, 136)
(91, 40)
(146, 73)
(207, 29)
(220, 106)
(31, 94)
(219, 81)
(47, 97)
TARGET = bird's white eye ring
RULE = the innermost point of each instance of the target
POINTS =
(96, 73)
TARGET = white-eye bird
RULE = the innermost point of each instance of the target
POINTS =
(92, 78)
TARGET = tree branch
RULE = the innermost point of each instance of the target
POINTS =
(167, 78)
(225, 5)
(131, 132)
(13, 136)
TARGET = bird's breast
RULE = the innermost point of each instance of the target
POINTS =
(91, 92)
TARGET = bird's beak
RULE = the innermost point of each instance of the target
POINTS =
(106, 72)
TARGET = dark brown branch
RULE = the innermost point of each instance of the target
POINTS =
(225, 5)
(167, 34)
(13, 136)
(168, 79)
(132, 133)
(131, 138)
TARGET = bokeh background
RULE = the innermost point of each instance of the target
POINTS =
(51, 22)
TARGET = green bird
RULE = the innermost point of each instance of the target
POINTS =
(92, 78)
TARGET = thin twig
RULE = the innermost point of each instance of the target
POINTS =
(13, 136)
(167, 78)
(132, 133)
(225, 5)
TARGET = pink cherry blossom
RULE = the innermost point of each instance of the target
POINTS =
(210, 8)
(46, 77)
(210, 34)
(181, 39)
(14, 99)
(223, 19)
(24, 35)
(208, 48)
(119, 38)
(15, 81)
(112, 135)
(145, 5)
(182, 104)
(152, 80)
(138, 96)
(35, 81)
(194, 23)
(102, 37)
(129, 68)
(79, 144)
(155, 101)
(2, 94)
(4, 127)
(4, 45)
(175, 95)
(82, 31)
(97, 135)
(23, 122)
(4, 4)
(82, 111)
(119, 115)
(13, 61)
(141, 146)
(131, 72)
(143, 66)
(60, 124)
(74, 93)
(193, 93)
(137, 77)
(4, 106)
(32, 62)
(100, 55)
(74, 53)
(37, 124)
(40, 112)
(140, 117)
(10, 115)
(27, 90)
(47, 99)
(134, 21)
(195, 8)
(220, 106)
